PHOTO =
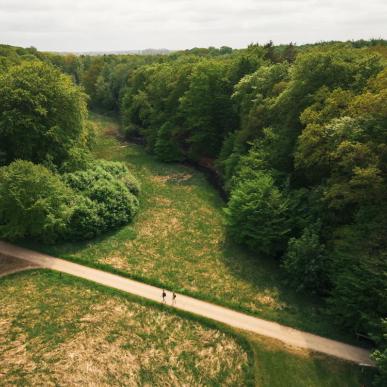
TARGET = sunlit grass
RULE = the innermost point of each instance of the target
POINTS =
(58, 330)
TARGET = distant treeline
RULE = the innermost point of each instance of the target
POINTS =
(298, 135)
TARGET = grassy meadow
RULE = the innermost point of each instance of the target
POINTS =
(60, 330)
(277, 365)
(178, 241)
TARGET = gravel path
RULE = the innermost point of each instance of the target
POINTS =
(230, 317)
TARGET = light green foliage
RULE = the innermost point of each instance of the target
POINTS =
(120, 171)
(342, 155)
(42, 114)
(106, 199)
(34, 203)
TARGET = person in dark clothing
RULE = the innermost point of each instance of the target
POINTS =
(173, 298)
(164, 295)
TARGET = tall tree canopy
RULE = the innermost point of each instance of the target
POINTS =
(42, 114)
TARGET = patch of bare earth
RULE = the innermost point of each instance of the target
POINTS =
(10, 265)
(173, 178)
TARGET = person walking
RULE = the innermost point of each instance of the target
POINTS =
(173, 298)
(164, 295)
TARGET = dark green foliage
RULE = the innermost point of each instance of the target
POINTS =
(43, 119)
(380, 355)
(305, 262)
(34, 203)
(118, 205)
(166, 148)
(113, 167)
(85, 221)
(42, 114)
(359, 273)
(206, 108)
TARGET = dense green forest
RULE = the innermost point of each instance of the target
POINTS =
(297, 136)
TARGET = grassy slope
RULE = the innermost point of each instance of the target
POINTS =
(178, 241)
(57, 329)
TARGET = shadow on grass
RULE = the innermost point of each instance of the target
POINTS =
(265, 276)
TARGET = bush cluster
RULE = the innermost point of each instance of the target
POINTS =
(39, 204)
(50, 186)
(105, 199)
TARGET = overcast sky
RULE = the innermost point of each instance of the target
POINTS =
(102, 25)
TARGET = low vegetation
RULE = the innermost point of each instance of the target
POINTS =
(277, 365)
(62, 331)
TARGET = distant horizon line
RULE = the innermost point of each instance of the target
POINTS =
(170, 50)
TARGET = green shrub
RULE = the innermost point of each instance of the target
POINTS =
(132, 184)
(117, 205)
(82, 180)
(120, 170)
(85, 221)
(34, 203)
(305, 262)
(115, 168)
(257, 215)
(105, 201)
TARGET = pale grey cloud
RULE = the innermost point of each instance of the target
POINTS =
(76, 25)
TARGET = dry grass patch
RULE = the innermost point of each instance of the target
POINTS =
(66, 333)
(173, 178)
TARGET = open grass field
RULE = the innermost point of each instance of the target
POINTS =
(178, 241)
(59, 330)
